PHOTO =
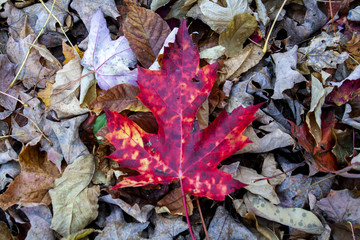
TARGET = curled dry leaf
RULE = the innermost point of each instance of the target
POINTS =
(74, 202)
(146, 32)
(36, 178)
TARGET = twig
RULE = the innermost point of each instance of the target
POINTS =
(202, 219)
(332, 17)
(352, 230)
(6, 94)
(272, 26)
(6, 136)
(33, 43)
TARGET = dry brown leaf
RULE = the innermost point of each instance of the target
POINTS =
(32, 185)
(69, 52)
(173, 203)
(239, 29)
(146, 32)
(248, 58)
(45, 94)
(119, 98)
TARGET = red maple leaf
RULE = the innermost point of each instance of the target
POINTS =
(179, 151)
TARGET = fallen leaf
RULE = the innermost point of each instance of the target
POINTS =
(223, 226)
(173, 203)
(67, 133)
(5, 232)
(286, 75)
(70, 53)
(38, 14)
(140, 214)
(33, 183)
(212, 54)
(65, 91)
(122, 231)
(239, 29)
(249, 177)
(341, 207)
(168, 227)
(174, 105)
(345, 92)
(146, 32)
(119, 98)
(40, 220)
(177, 10)
(218, 17)
(8, 172)
(317, 55)
(86, 9)
(110, 59)
(74, 202)
(294, 217)
(269, 169)
(246, 59)
(7, 153)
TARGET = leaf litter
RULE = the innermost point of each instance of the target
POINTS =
(245, 143)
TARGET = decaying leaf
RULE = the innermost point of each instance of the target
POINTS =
(239, 29)
(173, 203)
(317, 55)
(110, 59)
(40, 220)
(294, 217)
(167, 227)
(146, 32)
(341, 207)
(32, 185)
(8, 172)
(74, 201)
(179, 150)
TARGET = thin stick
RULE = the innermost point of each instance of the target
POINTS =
(291, 169)
(332, 18)
(202, 219)
(186, 210)
(272, 27)
(6, 136)
(61, 26)
(352, 230)
(33, 43)
(41, 132)
(6, 94)
(60, 90)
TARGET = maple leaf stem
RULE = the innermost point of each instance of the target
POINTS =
(186, 210)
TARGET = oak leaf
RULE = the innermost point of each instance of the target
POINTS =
(179, 151)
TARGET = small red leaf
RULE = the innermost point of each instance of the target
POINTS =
(179, 151)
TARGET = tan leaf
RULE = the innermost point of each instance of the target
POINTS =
(173, 203)
(32, 185)
(239, 29)
(74, 202)
(45, 94)
(146, 32)
(119, 98)
(69, 52)
(5, 233)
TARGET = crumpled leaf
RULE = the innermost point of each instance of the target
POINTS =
(119, 98)
(239, 29)
(65, 91)
(67, 133)
(140, 214)
(87, 8)
(174, 95)
(8, 172)
(40, 220)
(218, 17)
(109, 59)
(286, 76)
(167, 227)
(223, 227)
(38, 14)
(212, 54)
(294, 217)
(269, 169)
(341, 206)
(346, 92)
(7, 153)
(248, 176)
(74, 202)
(33, 183)
(313, 116)
(177, 10)
(146, 32)
(317, 55)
